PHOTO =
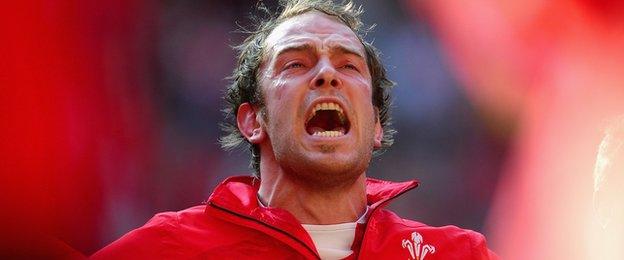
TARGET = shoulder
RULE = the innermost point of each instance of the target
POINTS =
(446, 242)
(159, 237)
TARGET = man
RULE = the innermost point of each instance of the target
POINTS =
(301, 98)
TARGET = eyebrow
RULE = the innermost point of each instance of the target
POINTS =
(341, 49)
(306, 47)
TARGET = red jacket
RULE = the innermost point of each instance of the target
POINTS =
(233, 226)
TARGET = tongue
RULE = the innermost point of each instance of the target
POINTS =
(314, 129)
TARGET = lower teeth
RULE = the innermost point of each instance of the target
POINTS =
(329, 133)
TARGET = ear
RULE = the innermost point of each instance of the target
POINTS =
(378, 131)
(249, 124)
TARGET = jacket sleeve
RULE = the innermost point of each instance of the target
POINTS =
(154, 240)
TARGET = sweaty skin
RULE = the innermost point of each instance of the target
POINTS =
(309, 59)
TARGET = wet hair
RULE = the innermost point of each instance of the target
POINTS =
(244, 86)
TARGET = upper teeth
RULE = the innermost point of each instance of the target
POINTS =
(326, 106)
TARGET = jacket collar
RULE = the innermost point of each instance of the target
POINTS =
(236, 197)
(239, 193)
(379, 192)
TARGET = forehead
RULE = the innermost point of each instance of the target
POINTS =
(312, 27)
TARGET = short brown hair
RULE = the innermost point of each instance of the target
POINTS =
(244, 86)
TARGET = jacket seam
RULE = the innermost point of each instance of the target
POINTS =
(212, 204)
(168, 235)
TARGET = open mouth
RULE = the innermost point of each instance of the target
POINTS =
(328, 120)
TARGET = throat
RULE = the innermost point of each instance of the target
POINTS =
(315, 207)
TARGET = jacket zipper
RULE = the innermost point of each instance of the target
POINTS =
(266, 225)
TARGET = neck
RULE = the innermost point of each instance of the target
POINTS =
(312, 205)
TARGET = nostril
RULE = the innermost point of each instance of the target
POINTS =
(333, 83)
(320, 82)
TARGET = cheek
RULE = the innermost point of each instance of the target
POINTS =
(363, 98)
(285, 103)
(277, 90)
(367, 113)
(363, 82)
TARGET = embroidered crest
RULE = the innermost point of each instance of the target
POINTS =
(416, 248)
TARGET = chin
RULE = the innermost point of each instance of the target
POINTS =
(328, 170)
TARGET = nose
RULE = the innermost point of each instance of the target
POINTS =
(326, 75)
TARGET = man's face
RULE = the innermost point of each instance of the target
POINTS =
(320, 121)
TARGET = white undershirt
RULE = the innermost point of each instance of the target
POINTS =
(333, 241)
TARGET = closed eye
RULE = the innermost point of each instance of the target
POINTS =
(294, 65)
(350, 66)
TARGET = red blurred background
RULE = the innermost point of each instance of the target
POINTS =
(76, 110)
